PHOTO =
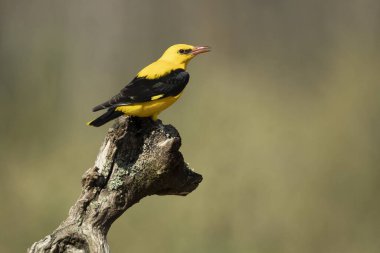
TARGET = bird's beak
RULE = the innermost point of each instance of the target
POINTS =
(200, 50)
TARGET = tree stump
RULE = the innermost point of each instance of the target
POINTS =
(139, 157)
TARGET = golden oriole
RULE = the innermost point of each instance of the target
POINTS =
(154, 88)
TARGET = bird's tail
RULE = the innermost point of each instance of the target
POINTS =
(105, 117)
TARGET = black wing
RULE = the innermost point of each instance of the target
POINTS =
(143, 90)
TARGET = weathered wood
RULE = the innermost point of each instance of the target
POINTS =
(138, 158)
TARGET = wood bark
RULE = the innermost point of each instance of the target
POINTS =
(138, 158)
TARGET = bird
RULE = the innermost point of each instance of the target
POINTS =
(154, 88)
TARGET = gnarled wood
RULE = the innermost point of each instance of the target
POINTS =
(138, 158)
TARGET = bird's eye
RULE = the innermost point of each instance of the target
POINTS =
(184, 51)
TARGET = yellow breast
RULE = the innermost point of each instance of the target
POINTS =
(148, 109)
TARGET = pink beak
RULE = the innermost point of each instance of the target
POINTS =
(200, 50)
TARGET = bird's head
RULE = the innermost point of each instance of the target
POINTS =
(182, 53)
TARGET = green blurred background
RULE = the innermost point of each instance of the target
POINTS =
(282, 119)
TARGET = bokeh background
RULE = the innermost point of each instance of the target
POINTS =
(282, 119)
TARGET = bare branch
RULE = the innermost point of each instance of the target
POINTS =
(138, 158)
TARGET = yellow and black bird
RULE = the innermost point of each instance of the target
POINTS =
(155, 87)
